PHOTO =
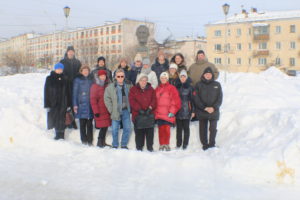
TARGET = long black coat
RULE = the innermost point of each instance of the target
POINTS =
(186, 95)
(208, 94)
(71, 70)
(57, 99)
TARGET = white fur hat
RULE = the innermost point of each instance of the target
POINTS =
(164, 74)
(174, 66)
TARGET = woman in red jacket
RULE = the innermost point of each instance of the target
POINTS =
(143, 102)
(168, 104)
(101, 114)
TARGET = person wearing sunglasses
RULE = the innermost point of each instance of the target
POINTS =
(117, 103)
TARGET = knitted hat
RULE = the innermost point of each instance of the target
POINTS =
(200, 52)
(102, 72)
(183, 73)
(173, 65)
(70, 48)
(138, 57)
(140, 76)
(101, 58)
(59, 66)
(146, 61)
(164, 74)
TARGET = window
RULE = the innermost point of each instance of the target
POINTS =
(249, 31)
(292, 62)
(278, 29)
(292, 28)
(293, 45)
(239, 46)
(278, 45)
(249, 61)
(228, 61)
(262, 45)
(218, 61)
(249, 46)
(96, 32)
(107, 39)
(261, 30)
(228, 32)
(119, 28)
(218, 47)
(113, 38)
(119, 38)
(262, 61)
(238, 32)
(107, 30)
(239, 61)
(277, 61)
(227, 47)
(113, 29)
(218, 33)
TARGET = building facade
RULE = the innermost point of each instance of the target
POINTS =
(112, 40)
(251, 42)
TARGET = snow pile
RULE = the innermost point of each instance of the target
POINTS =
(258, 157)
(5, 70)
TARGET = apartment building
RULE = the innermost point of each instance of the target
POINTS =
(252, 41)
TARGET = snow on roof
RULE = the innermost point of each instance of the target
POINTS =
(260, 16)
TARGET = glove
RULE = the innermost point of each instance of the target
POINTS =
(171, 115)
(141, 112)
(97, 115)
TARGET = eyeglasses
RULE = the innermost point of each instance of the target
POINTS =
(120, 76)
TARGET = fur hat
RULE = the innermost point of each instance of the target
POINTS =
(140, 76)
(164, 74)
(174, 66)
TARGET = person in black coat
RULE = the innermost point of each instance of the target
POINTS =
(183, 116)
(71, 70)
(161, 65)
(208, 98)
(56, 100)
(101, 65)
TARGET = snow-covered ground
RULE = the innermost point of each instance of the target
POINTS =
(258, 155)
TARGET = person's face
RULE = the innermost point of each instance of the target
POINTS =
(70, 54)
(161, 59)
(201, 56)
(163, 80)
(183, 79)
(59, 71)
(208, 76)
(172, 71)
(138, 63)
(178, 60)
(102, 77)
(120, 77)
(143, 82)
(85, 72)
(101, 63)
(123, 64)
(146, 66)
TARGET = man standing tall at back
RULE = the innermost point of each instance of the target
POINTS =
(196, 70)
(71, 70)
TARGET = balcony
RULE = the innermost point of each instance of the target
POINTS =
(260, 53)
(261, 37)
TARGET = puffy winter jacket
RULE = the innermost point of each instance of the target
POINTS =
(208, 94)
(186, 95)
(81, 97)
(98, 105)
(141, 99)
(168, 101)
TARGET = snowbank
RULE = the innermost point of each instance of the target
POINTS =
(258, 154)
(5, 70)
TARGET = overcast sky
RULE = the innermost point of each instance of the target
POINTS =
(177, 17)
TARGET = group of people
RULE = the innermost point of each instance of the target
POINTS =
(165, 94)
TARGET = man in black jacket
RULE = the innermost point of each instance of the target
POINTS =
(71, 70)
(208, 98)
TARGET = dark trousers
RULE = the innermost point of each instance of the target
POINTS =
(141, 135)
(86, 131)
(59, 134)
(182, 125)
(101, 137)
(203, 125)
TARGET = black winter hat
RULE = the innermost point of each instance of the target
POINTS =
(200, 52)
(101, 58)
(208, 70)
(70, 48)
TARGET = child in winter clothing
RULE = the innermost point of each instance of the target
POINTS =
(102, 116)
(81, 104)
(168, 103)
(208, 99)
(57, 99)
(185, 89)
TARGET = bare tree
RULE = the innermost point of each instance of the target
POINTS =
(16, 59)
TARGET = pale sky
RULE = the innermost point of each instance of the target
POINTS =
(177, 17)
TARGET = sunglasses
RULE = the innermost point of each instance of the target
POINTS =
(120, 76)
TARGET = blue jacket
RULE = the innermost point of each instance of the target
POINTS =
(81, 97)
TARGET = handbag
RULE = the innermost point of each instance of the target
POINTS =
(69, 117)
(144, 119)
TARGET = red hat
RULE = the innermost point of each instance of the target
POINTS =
(101, 72)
